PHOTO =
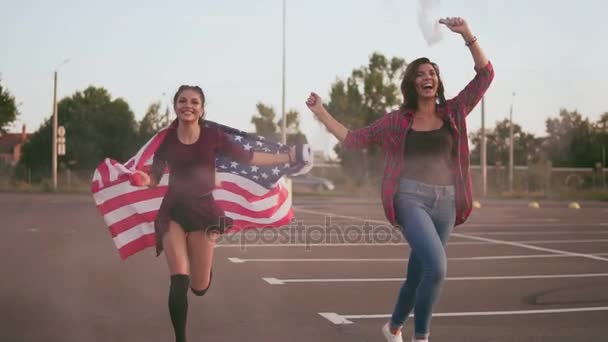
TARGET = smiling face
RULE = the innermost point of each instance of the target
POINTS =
(421, 81)
(188, 105)
(426, 81)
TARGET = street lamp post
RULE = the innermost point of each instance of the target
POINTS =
(54, 157)
(167, 113)
(484, 153)
(283, 121)
(511, 145)
(604, 166)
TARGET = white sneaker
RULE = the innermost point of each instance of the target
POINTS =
(389, 336)
(414, 340)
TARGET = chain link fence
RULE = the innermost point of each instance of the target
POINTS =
(24, 179)
(536, 180)
(540, 180)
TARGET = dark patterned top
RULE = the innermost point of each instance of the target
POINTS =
(429, 156)
(192, 166)
(391, 130)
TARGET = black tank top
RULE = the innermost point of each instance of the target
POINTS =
(428, 156)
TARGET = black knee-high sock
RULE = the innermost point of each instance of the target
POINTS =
(178, 305)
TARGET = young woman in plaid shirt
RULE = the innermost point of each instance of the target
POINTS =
(426, 188)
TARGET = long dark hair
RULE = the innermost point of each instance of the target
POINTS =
(189, 87)
(408, 84)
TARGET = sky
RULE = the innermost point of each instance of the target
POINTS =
(552, 54)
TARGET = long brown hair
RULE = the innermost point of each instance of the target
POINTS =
(189, 87)
(408, 84)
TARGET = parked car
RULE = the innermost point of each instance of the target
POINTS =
(309, 183)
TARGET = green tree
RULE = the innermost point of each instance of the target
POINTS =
(265, 125)
(292, 128)
(527, 147)
(263, 120)
(571, 141)
(8, 109)
(153, 121)
(97, 127)
(601, 126)
(369, 93)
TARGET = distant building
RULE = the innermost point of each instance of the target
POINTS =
(10, 146)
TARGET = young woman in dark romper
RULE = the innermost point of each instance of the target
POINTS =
(189, 220)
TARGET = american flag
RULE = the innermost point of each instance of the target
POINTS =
(253, 196)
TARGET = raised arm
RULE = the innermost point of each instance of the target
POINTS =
(238, 153)
(315, 104)
(351, 139)
(460, 26)
(468, 98)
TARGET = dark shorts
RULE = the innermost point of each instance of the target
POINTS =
(192, 214)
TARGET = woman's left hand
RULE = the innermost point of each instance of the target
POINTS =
(456, 24)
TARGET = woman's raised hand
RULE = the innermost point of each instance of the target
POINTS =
(315, 104)
(456, 24)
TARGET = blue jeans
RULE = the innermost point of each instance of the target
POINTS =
(426, 214)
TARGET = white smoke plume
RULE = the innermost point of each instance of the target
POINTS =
(428, 21)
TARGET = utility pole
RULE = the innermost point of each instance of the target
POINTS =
(54, 158)
(483, 159)
(512, 144)
(604, 166)
(55, 120)
(283, 121)
(166, 116)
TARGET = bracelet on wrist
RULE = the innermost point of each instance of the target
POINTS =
(471, 41)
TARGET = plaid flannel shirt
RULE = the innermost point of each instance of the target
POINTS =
(391, 130)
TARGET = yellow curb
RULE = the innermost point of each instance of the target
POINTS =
(476, 204)
(574, 205)
(533, 205)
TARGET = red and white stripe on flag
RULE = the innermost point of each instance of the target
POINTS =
(129, 211)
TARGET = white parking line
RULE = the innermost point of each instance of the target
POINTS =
(237, 260)
(277, 281)
(528, 241)
(282, 234)
(524, 220)
(540, 232)
(466, 225)
(501, 242)
(240, 261)
(246, 244)
(482, 225)
(528, 246)
(577, 224)
(573, 224)
(338, 319)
